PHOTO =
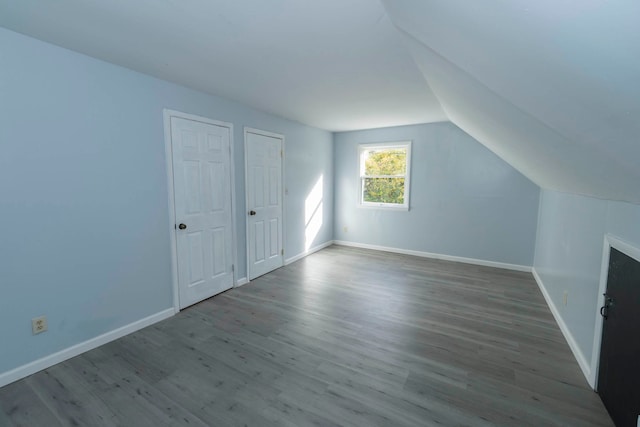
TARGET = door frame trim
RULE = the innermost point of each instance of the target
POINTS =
(281, 137)
(610, 241)
(167, 114)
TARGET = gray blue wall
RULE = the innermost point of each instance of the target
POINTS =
(568, 256)
(84, 199)
(465, 201)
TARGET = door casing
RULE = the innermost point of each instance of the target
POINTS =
(618, 368)
(167, 114)
(610, 241)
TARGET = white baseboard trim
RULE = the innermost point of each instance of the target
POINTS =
(308, 252)
(515, 267)
(241, 281)
(62, 355)
(573, 345)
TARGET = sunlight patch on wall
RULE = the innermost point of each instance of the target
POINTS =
(313, 214)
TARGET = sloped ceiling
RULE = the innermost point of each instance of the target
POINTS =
(553, 87)
(333, 64)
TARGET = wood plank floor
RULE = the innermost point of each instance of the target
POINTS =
(344, 337)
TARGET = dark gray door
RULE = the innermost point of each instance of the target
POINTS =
(619, 374)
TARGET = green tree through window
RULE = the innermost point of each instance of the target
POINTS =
(384, 175)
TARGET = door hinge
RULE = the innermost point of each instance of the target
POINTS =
(233, 268)
(281, 251)
(281, 153)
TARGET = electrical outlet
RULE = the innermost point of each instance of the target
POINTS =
(345, 229)
(39, 324)
(564, 297)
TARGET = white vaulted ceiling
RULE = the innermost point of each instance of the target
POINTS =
(333, 64)
(552, 87)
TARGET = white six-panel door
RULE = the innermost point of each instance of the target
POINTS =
(263, 154)
(202, 200)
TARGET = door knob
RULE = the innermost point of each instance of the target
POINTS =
(608, 303)
(182, 226)
(252, 213)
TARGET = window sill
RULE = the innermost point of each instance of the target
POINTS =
(383, 207)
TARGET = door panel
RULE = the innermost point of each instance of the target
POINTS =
(273, 238)
(196, 263)
(202, 196)
(619, 372)
(217, 182)
(258, 187)
(192, 188)
(264, 202)
(274, 187)
(259, 242)
(218, 259)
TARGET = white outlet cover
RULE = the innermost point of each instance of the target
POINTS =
(39, 325)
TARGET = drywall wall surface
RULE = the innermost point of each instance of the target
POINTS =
(308, 190)
(571, 232)
(464, 201)
(84, 194)
(568, 257)
(623, 221)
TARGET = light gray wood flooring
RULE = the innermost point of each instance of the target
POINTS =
(345, 337)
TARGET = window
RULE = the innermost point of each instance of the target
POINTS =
(384, 175)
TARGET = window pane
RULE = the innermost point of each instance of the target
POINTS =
(392, 161)
(383, 190)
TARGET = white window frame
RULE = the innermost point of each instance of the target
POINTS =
(362, 148)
